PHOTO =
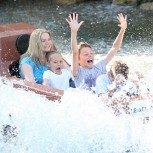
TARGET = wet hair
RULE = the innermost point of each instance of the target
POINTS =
(119, 67)
(82, 45)
(49, 55)
(34, 49)
(14, 69)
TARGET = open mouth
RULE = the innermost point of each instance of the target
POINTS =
(90, 61)
(58, 69)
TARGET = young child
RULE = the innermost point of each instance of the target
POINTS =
(84, 70)
(111, 81)
(56, 76)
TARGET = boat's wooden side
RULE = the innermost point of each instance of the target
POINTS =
(48, 92)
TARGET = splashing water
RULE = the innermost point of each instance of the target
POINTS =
(81, 123)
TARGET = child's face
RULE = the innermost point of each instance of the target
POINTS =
(46, 42)
(86, 57)
(56, 63)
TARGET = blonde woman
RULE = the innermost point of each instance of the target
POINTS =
(33, 62)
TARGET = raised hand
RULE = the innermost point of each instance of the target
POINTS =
(122, 21)
(73, 22)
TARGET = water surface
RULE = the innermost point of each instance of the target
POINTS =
(99, 28)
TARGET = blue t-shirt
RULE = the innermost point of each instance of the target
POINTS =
(86, 78)
(37, 71)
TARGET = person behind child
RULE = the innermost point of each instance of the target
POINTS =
(33, 61)
(112, 80)
(56, 76)
(84, 70)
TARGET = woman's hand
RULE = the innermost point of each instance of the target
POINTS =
(73, 22)
(122, 21)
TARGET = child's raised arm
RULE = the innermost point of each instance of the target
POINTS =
(118, 41)
(74, 25)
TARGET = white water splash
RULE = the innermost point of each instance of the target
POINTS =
(81, 123)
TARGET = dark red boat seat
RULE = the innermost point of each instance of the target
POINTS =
(22, 43)
(11, 35)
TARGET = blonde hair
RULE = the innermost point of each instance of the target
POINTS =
(120, 67)
(34, 50)
(82, 45)
(49, 55)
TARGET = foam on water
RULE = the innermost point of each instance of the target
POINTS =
(81, 123)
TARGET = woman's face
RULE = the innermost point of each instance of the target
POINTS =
(46, 42)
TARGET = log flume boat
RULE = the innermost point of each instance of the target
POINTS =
(13, 42)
